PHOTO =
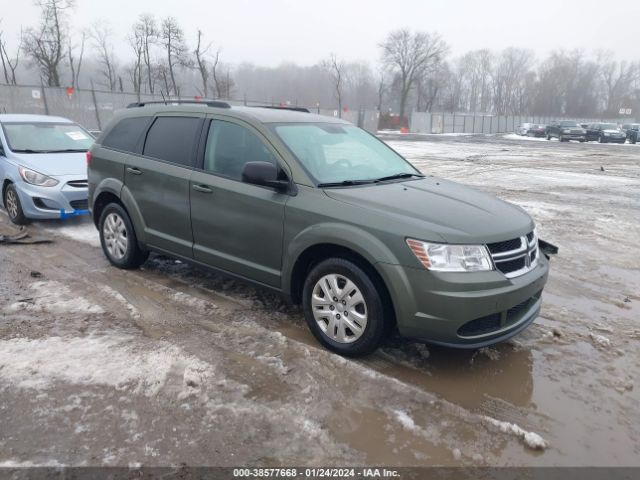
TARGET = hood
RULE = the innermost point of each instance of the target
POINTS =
(53, 164)
(456, 213)
(611, 130)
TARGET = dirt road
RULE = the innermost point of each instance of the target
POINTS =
(172, 364)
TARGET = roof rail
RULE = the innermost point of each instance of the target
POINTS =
(208, 103)
(294, 109)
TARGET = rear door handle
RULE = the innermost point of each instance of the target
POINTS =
(134, 171)
(202, 189)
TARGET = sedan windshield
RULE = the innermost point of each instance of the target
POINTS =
(569, 124)
(608, 126)
(45, 137)
(342, 154)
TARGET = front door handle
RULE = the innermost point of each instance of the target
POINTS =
(134, 171)
(202, 189)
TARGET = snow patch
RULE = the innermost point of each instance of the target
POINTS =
(85, 232)
(600, 340)
(405, 420)
(531, 439)
(54, 297)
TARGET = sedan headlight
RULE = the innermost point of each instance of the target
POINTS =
(35, 178)
(566, 131)
(607, 134)
(451, 258)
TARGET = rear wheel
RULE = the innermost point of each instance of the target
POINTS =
(13, 206)
(343, 307)
(118, 238)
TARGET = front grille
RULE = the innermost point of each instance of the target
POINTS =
(511, 265)
(79, 204)
(78, 183)
(507, 246)
(515, 256)
(480, 326)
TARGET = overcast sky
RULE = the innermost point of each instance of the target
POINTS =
(269, 32)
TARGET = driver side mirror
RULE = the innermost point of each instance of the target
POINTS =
(263, 173)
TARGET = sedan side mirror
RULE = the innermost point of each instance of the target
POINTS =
(263, 173)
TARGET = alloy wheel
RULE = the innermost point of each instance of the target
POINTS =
(339, 308)
(12, 203)
(116, 240)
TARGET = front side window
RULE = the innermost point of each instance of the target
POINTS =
(334, 153)
(230, 146)
(172, 139)
(46, 137)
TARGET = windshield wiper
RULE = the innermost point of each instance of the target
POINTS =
(399, 175)
(345, 183)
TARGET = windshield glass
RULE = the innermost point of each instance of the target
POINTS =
(568, 124)
(46, 137)
(334, 153)
(608, 126)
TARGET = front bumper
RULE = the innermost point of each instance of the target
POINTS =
(464, 310)
(572, 136)
(606, 139)
(62, 201)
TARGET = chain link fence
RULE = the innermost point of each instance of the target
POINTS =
(428, 122)
(94, 108)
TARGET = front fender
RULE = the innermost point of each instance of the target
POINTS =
(344, 235)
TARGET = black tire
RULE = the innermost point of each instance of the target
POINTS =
(379, 318)
(15, 212)
(633, 140)
(601, 139)
(548, 137)
(133, 256)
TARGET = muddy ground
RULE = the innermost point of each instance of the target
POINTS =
(173, 364)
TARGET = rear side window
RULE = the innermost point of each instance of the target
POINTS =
(172, 139)
(126, 134)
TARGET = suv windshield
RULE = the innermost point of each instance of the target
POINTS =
(335, 153)
(569, 124)
(46, 137)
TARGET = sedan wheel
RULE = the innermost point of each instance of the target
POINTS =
(13, 206)
(339, 308)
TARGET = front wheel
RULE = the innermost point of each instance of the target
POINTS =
(118, 238)
(13, 206)
(343, 307)
(633, 140)
(601, 139)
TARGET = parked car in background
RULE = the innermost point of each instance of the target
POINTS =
(318, 210)
(584, 125)
(536, 130)
(43, 170)
(565, 130)
(605, 133)
(631, 131)
(523, 129)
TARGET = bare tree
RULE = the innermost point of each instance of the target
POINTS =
(145, 37)
(101, 36)
(618, 79)
(335, 68)
(222, 80)
(45, 43)
(75, 69)
(200, 52)
(136, 41)
(410, 55)
(172, 38)
(9, 62)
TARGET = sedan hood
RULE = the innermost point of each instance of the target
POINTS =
(53, 164)
(456, 213)
(612, 131)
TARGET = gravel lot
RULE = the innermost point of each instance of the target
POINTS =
(173, 364)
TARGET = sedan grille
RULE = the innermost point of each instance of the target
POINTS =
(515, 257)
(78, 183)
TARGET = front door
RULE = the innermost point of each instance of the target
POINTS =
(237, 227)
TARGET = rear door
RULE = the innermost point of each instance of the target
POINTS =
(237, 226)
(158, 180)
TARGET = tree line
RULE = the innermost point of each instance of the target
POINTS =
(415, 71)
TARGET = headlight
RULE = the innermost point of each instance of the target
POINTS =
(451, 258)
(566, 131)
(607, 134)
(35, 178)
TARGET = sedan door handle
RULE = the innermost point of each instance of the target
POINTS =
(134, 171)
(202, 189)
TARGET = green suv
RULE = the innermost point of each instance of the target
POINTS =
(322, 212)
